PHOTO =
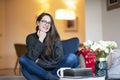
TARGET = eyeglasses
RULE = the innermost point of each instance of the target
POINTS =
(45, 22)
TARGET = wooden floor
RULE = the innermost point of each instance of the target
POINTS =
(9, 72)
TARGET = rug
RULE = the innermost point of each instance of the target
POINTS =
(12, 78)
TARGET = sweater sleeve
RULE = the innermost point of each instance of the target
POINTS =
(34, 46)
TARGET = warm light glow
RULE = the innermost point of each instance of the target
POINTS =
(43, 1)
(65, 14)
(45, 5)
(71, 4)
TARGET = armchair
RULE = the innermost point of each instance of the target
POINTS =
(71, 46)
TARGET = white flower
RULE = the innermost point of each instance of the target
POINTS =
(88, 44)
(106, 46)
(95, 46)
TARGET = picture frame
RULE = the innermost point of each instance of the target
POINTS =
(113, 4)
(71, 25)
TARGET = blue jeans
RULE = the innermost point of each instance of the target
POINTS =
(32, 71)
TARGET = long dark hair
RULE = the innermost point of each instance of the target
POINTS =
(52, 34)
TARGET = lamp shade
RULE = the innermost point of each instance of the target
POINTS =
(65, 14)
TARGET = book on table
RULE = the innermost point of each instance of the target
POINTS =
(82, 78)
(78, 72)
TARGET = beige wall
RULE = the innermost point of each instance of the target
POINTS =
(2, 34)
(18, 20)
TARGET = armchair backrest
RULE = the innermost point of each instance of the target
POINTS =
(71, 45)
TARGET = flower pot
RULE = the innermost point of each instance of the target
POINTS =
(101, 67)
(90, 58)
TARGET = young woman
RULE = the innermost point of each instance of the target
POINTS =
(45, 53)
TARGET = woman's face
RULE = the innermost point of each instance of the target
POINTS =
(44, 24)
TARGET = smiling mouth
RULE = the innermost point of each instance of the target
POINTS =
(45, 27)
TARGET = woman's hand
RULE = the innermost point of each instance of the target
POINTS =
(41, 35)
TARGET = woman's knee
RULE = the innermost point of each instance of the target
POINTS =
(22, 59)
(72, 57)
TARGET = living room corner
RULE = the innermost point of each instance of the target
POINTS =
(93, 22)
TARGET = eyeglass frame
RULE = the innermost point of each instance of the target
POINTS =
(45, 22)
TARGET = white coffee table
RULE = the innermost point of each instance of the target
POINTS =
(85, 78)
